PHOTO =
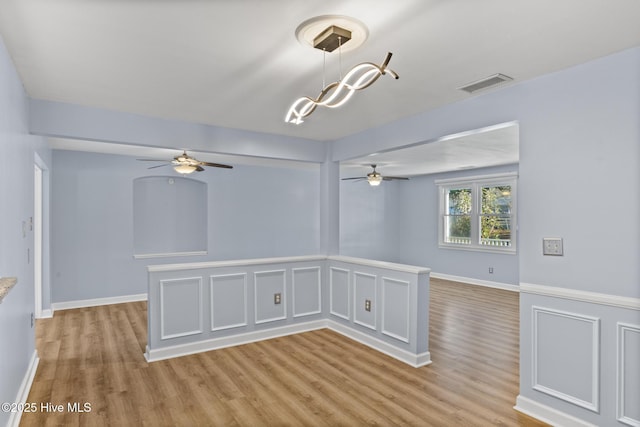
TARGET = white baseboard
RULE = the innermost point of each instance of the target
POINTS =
(547, 414)
(230, 341)
(25, 387)
(217, 343)
(46, 314)
(415, 360)
(68, 305)
(472, 281)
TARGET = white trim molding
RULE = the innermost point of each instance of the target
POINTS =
(176, 282)
(282, 273)
(472, 281)
(318, 310)
(548, 414)
(25, 388)
(584, 296)
(95, 302)
(374, 302)
(331, 285)
(415, 360)
(593, 404)
(169, 254)
(230, 341)
(212, 280)
(621, 413)
(406, 311)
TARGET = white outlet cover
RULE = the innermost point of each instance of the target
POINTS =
(552, 246)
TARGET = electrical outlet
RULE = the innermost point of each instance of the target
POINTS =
(552, 246)
(490, 270)
(33, 319)
(367, 305)
(277, 298)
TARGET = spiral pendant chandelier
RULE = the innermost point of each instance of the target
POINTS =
(337, 93)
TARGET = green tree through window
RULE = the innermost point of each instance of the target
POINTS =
(478, 213)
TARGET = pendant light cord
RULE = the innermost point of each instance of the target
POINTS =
(340, 57)
(324, 67)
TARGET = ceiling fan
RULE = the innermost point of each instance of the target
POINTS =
(185, 164)
(375, 178)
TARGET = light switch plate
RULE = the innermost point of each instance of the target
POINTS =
(552, 246)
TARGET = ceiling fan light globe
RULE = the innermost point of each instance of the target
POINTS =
(184, 169)
(374, 180)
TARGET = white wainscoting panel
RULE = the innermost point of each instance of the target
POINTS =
(628, 372)
(339, 292)
(364, 288)
(266, 285)
(565, 359)
(307, 292)
(228, 301)
(180, 307)
(396, 309)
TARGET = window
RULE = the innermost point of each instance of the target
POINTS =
(478, 213)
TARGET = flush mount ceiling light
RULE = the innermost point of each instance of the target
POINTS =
(328, 33)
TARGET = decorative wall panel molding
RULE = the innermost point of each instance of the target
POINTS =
(566, 356)
(628, 374)
(228, 303)
(306, 290)
(339, 292)
(180, 307)
(395, 309)
(322, 292)
(365, 289)
(266, 285)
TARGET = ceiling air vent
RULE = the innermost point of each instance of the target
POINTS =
(493, 80)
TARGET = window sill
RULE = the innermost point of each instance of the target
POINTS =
(488, 249)
(169, 254)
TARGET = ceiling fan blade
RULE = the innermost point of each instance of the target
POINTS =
(355, 177)
(159, 166)
(390, 178)
(199, 168)
(216, 165)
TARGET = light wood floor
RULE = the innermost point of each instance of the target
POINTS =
(318, 378)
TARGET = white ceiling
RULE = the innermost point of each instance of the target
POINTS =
(238, 64)
(492, 146)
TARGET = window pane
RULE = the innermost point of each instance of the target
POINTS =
(496, 200)
(495, 230)
(458, 229)
(459, 201)
(495, 223)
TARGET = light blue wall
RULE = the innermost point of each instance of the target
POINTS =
(398, 222)
(253, 212)
(579, 133)
(60, 119)
(579, 179)
(369, 220)
(418, 234)
(17, 150)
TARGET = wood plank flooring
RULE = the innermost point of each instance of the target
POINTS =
(320, 378)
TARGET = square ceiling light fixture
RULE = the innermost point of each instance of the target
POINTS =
(328, 33)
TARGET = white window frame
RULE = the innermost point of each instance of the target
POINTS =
(475, 183)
